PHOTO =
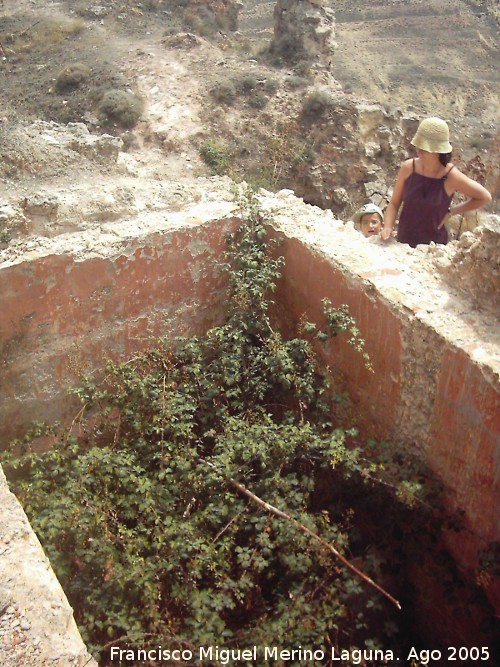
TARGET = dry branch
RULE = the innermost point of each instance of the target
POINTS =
(274, 510)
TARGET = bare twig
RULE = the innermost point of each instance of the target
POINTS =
(23, 32)
(223, 530)
(274, 510)
(78, 416)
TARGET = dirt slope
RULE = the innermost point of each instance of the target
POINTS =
(438, 56)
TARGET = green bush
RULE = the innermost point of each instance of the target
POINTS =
(295, 82)
(271, 86)
(5, 237)
(245, 83)
(183, 510)
(121, 107)
(216, 156)
(72, 76)
(303, 68)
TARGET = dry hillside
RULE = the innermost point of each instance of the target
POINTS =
(189, 96)
(437, 56)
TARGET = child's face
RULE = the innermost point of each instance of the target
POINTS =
(370, 224)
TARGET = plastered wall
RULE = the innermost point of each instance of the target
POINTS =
(435, 383)
(61, 310)
(37, 628)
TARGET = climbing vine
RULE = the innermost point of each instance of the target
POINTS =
(184, 504)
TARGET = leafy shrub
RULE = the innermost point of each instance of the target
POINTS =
(72, 76)
(121, 107)
(183, 509)
(317, 103)
(303, 68)
(271, 86)
(224, 92)
(5, 237)
(217, 156)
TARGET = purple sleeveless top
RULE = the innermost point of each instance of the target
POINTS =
(425, 203)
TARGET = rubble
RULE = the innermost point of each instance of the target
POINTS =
(473, 263)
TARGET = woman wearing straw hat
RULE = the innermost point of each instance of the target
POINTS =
(425, 186)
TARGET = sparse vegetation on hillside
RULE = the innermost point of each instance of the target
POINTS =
(120, 107)
(223, 92)
(38, 78)
(317, 103)
(41, 79)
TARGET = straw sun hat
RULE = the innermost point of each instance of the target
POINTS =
(433, 136)
(367, 208)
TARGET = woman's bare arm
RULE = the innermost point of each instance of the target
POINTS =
(477, 195)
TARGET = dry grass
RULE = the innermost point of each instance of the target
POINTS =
(44, 33)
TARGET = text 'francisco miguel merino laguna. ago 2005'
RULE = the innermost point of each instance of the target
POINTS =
(227, 656)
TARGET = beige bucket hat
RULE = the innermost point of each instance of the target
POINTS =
(433, 135)
(367, 208)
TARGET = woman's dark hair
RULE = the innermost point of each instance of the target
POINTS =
(444, 158)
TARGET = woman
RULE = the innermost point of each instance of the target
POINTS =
(425, 186)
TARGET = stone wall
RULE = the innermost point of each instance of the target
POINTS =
(37, 628)
(435, 388)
